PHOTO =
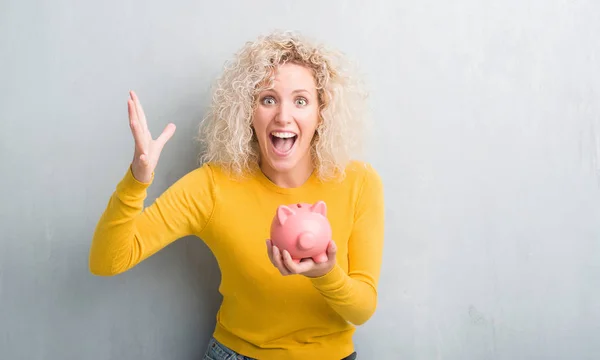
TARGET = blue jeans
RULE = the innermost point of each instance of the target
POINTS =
(218, 351)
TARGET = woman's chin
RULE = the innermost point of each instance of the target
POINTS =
(280, 165)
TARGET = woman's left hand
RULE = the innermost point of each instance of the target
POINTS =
(282, 260)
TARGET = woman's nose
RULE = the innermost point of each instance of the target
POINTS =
(285, 114)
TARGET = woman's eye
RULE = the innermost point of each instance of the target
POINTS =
(268, 100)
(301, 101)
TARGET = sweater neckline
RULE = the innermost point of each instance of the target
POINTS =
(310, 183)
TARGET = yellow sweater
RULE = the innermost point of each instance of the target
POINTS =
(263, 315)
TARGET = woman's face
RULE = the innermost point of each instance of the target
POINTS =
(285, 121)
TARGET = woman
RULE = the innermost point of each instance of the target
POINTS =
(285, 119)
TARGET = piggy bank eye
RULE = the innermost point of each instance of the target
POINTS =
(299, 205)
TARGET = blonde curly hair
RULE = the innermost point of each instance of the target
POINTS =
(226, 131)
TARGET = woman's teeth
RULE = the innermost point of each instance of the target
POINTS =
(283, 135)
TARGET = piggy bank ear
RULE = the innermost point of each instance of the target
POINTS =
(319, 207)
(283, 212)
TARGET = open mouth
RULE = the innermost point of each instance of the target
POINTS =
(283, 141)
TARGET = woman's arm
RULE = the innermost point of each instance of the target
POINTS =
(353, 295)
(126, 233)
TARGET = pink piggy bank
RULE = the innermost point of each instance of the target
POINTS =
(303, 230)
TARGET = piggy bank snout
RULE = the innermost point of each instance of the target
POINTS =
(306, 240)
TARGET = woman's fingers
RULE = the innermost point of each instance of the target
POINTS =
(301, 267)
(331, 249)
(139, 128)
(278, 261)
(136, 129)
(165, 136)
(290, 265)
(140, 111)
(270, 251)
(147, 150)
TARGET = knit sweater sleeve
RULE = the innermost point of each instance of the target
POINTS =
(353, 295)
(126, 233)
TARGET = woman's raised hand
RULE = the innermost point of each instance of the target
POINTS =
(147, 150)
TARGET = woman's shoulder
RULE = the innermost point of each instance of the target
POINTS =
(202, 178)
(203, 172)
(362, 171)
(209, 170)
(366, 182)
(217, 174)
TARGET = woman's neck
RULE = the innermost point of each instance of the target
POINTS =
(293, 178)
